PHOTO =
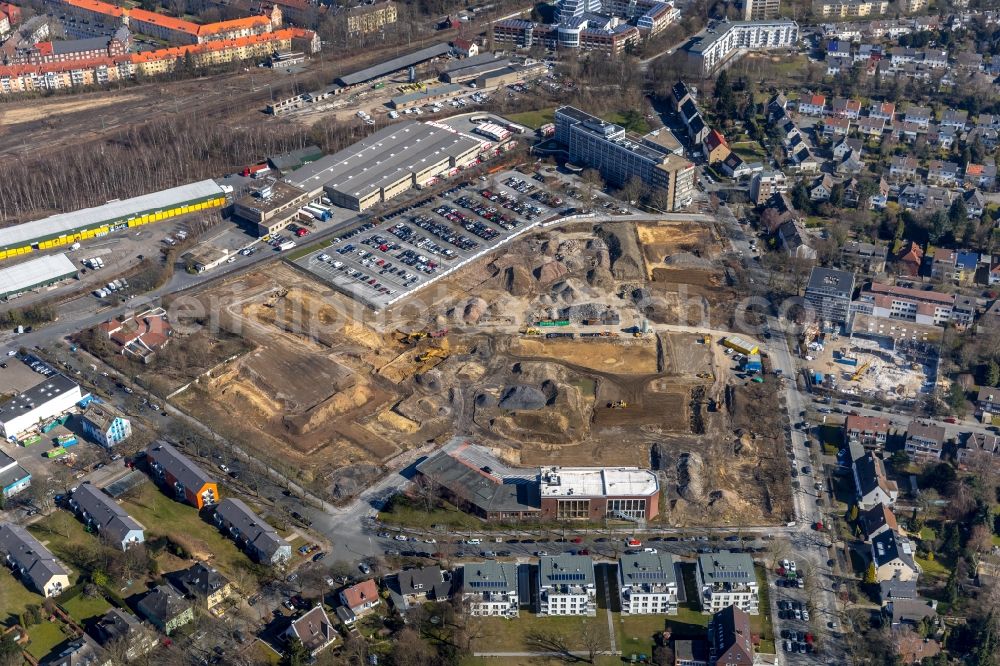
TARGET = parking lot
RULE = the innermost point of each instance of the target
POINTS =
(385, 261)
(795, 636)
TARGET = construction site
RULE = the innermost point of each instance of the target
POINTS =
(862, 367)
(573, 346)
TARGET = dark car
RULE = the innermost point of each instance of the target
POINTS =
(319, 556)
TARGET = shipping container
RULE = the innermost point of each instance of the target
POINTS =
(553, 322)
(56, 452)
(30, 440)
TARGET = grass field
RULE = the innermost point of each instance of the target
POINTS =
(163, 517)
(932, 568)
(44, 638)
(500, 635)
(619, 119)
(300, 252)
(636, 633)
(761, 624)
(413, 516)
(533, 119)
(14, 597)
(750, 151)
(65, 536)
(83, 609)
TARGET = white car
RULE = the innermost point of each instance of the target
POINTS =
(401, 537)
(430, 540)
(785, 564)
(12, 353)
(791, 566)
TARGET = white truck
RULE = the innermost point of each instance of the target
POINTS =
(287, 245)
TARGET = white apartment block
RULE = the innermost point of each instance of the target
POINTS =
(647, 584)
(490, 589)
(723, 41)
(566, 586)
(728, 579)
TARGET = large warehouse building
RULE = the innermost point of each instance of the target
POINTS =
(67, 228)
(51, 397)
(384, 69)
(35, 273)
(387, 163)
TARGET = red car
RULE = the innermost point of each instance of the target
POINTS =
(577, 540)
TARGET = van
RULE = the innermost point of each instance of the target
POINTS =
(473, 542)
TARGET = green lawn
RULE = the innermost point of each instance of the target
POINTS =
(407, 515)
(750, 151)
(83, 608)
(636, 632)
(927, 533)
(66, 537)
(44, 638)
(533, 119)
(618, 118)
(501, 635)
(932, 568)
(300, 252)
(761, 624)
(164, 517)
(14, 597)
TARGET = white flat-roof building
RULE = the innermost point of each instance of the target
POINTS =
(50, 397)
(599, 492)
(728, 579)
(35, 273)
(647, 584)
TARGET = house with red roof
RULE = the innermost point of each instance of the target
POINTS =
(814, 106)
(715, 148)
(465, 48)
(140, 335)
(361, 597)
(910, 260)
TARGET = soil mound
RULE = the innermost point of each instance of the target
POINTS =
(550, 272)
(522, 398)
(517, 281)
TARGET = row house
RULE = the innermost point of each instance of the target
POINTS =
(814, 106)
(869, 431)
(102, 513)
(954, 118)
(980, 175)
(836, 127)
(877, 520)
(845, 108)
(927, 198)
(870, 127)
(32, 562)
(942, 137)
(918, 115)
(903, 168)
(251, 533)
(885, 111)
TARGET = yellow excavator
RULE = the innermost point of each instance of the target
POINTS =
(617, 404)
(861, 371)
(411, 338)
(434, 352)
(531, 331)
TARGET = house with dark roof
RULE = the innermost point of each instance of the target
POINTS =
(892, 556)
(119, 627)
(101, 512)
(897, 590)
(415, 586)
(980, 450)
(32, 562)
(725, 579)
(251, 532)
(186, 480)
(82, 651)
(877, 520)
(871, 484)
(730, 642)
(165, 609)
(13, 477)
(925, 441)
(793, 240)
(566, 585)
(203, 583)
(313, 630)
(910, 611)
(689, 652)
(988, 400)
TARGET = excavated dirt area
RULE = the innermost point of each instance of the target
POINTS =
(333, 391)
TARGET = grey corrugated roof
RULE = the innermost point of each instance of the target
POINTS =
(390, 66)
(24, 276)
(23, 234)
(446, 89)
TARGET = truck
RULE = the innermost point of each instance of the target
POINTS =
(256, 170)
(318, 213)
(287, 245)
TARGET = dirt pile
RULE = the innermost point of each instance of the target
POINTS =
(474, 310)
(686, 260)
(626, 259)
(690, 477)
(601, 278)
(550, 272)
(522, 397)
(518, 281)
(337, 404)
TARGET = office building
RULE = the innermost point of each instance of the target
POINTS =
(829, 293)
(885, 301)
(647, 584)
(619, 156)
(727, 579)
(599, 493)
(566, 585)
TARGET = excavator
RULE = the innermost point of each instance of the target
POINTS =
(434, 352)
(861, 371)
(411, 338)
(531, 331)
(617, 404)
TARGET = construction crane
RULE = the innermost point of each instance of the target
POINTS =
(859, 373)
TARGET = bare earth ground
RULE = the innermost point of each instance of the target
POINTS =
(326, 391)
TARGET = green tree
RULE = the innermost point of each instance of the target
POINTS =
(958, 212)
(296, 653)
(871, 575)
(10, 651)
(725, 99)
(99, 578)
(852, 515)
(993, 373)
(899, 459)
(956, 399)
(951, 588)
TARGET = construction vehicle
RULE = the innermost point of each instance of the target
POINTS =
(706, 375)
(411, 338)
(440, 334)
(531, 331)
(617, 404)
(861, 371)
(434, 352)
(706, 339)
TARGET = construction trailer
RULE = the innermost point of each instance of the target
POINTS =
(740, 344)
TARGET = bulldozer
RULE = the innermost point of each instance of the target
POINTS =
(617, 404)
(706, 339)
(434, 352)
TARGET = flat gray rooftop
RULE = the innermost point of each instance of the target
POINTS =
(390, 66)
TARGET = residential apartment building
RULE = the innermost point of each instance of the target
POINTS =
(913, 305)
(727, 579)
(867, 257)
(849, 8)
(165, 609)
(619, 156)
(730, 641)
(979, 450)
(766, 184)
(566, 585)
(829, 293)
(490, 589)
(204, 584)
(988, 400)
(872, 486)
(718, 44)
(121, 628)
(958, 267)
(32, 562)
(100, 511)
(182, 477)
(870, 432)
(104, 424)
(251, 532)
(760, 10)
(925, 441)
(365, 19)
(647, 584)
